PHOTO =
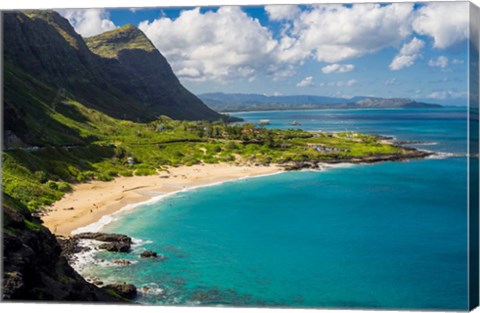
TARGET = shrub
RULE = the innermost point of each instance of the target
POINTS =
(125, 173)
(41, 177)
(64, 187)
(104, 177)
(34, 205)
(52, 185)
(145, 171)
(230, 146)
(228, 158)
(112, 173)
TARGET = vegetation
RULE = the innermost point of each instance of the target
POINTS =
(108, 44)
(105, 147)
(56, 138)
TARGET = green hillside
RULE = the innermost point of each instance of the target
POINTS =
(138, 84)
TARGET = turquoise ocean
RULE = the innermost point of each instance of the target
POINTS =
(390, 235)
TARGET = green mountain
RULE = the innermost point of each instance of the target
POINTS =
(119, 73)
(64, 102)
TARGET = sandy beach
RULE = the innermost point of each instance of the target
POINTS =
(90, 201)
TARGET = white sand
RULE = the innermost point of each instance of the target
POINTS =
(91, 201)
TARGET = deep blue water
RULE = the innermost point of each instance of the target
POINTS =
(389, 235)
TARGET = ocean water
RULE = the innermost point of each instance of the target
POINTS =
(389, 235)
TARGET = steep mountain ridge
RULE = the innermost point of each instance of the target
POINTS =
(134, 65)
(43, 44)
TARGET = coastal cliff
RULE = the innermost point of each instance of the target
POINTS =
(33, 266)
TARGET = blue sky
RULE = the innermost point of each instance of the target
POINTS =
(391, 50)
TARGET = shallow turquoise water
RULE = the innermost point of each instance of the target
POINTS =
(390, 235)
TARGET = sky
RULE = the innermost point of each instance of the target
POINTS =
(407, 50)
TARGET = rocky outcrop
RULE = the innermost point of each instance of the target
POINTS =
(408, 153)
(33, 265)
(104, 237)
(115, 247)
(122, 262)
(148, 254)
(127, 291)
(114, 242)
(70, 247)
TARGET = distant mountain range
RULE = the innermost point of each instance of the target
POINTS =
(237, 102)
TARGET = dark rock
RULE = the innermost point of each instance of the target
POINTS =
(148, 254)
(114, 242)
(104, 237)
(122, 262)
(115, 247)
(97, 282)
(127, 291)
(12, 283)
(33, 265)
(70, 247)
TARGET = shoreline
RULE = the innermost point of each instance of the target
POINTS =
(91, 205)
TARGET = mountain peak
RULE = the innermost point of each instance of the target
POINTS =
(127, 37)
(54, 19)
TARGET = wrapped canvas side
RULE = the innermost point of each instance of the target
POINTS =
(473, 156)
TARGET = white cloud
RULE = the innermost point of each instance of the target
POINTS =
(443, 95)
(334, 32)
(445, 22)
(457, 61)
(218, 45)
(407, 56)
(338, 68)
(282, 12)
(306, 82)
(189, 72)
(88, 22)
(282, 72)
(230, 44)
(441, 61)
